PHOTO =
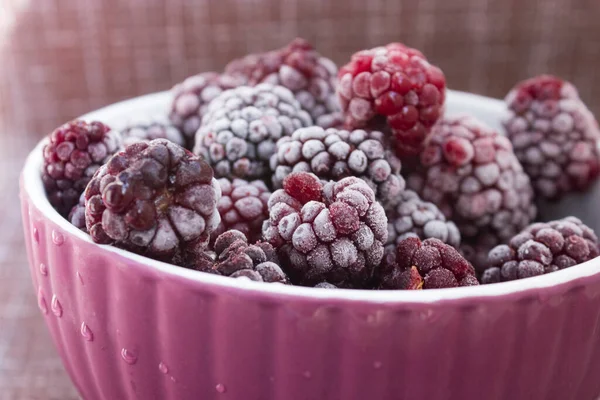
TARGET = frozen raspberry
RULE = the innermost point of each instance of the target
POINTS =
(154, 198)
(334, 154)
(236, 258)
(555, 136)
(242, 125)
(301, 69)
(71, 157)
(192, 96)
(542, 248)
(430, 264)
(243, 207)
(413, 217)
(330, 232)
(77, 214)
(397, 83)
(146, 128)
(471, 173)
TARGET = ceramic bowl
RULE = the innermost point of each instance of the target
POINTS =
(128, 327)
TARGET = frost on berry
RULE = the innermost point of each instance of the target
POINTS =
(236, 258)
(241, 126)
(333, 154)
(192, 97)
(428, 264)
(555, 136)
(301, 69)
(154, 198)
(470, 172)
(331, 232)
(243, 207)
(541, 248)
(144, 128)
(72, 154)
(397, 83)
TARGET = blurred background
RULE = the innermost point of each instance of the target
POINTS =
(62, 58)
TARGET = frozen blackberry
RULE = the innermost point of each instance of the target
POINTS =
(397, 83)
(555, 136)
(236, 258)
(301, 69)
(192, 96)
(242, 125)
(413, 217)
(542, 248)
(146, 128)
(330, 232)
(430, 264)
(154, 198)
(334, 154)
(77, 214)
(325, 285)
(71, 157)
(471, 173)
(243, 207)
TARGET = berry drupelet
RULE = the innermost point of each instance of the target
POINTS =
(542, 248)
(334, 154)
(414, 217)
(192, 96)
(397, 83)
(330, 232)
(430, 264)
(471, 173)
(235, 257)
(243, 207)
(146, 128)
(555, 136)
(242, 125)
(300, 68)
(156, 198)
(71, 157)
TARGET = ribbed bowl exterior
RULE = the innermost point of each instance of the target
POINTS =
(127, 331)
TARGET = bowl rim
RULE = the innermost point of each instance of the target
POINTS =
(32, 187)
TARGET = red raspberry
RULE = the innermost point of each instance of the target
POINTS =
(71, 157)
(192, 96)
(154, 198)
(300, 68)
(430, 264)
(555, 136)
(327, 233)
(236, 258)
(395, 82)
(542, 248)
(334, 154)
(243, 207)
(471, 173)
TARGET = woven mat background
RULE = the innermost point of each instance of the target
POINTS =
(62, 58)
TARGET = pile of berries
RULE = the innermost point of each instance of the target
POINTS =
(303, 175)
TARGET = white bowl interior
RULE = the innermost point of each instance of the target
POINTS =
(486, 109)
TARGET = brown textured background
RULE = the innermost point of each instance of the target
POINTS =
(62, 58)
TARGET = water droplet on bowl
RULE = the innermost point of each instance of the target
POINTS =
(42, 302)
(221, 388)
(80, 278)
(162, 367)
(307, 374)
(128, 356)
(36, 235)
(86, 332)
(43, 269)
(57, 238)
(173, 379)
(56, 307)
(377, 364)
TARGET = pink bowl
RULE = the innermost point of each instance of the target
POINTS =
(130, 327)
